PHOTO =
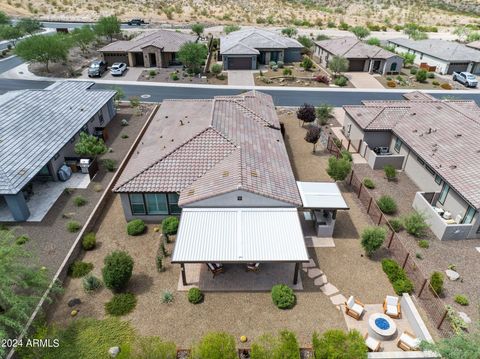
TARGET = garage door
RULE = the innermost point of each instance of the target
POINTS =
(356, 65)
(457, 67)
(112, 57)
(239, 63)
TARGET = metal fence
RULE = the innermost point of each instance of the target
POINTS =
(429, 300)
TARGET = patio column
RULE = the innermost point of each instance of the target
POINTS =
(184, 275)
(18, 206)
(295, 275)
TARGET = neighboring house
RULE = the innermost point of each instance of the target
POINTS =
(435, 142)
(157, 49)
(360, 56)
(246, 49)
(474, 45)
(446, 56)
(39, 129)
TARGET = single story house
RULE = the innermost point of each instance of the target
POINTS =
(435, 142)
(39, 129)
(156, 49)
(446, 56)
(360, 56)
(246, 49)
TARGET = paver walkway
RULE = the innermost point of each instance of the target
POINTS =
(240, 78)
(363, 80)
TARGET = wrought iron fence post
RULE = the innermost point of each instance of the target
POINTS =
(360, 189)
(351, 177)
(423, 287)
(380, 219)
(369, 205)
(443, 318)
(391, 240)
(405, 261)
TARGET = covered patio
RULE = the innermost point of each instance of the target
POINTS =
(267, 241)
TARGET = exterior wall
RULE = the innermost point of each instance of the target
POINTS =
(158, 55)
(322, 56)
(267, 52)
(293, 55)
(388, 63)
(442, 66)
(128, 211)
(377, 162)
(378, 139)
(225, 60)
(18, 206)
(230, 200)
(351, 130)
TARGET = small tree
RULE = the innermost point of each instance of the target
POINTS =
(289, 31)
(462, 32)
(338, 168)
(83, 36)
(415, 224)
(29, 25)
(408, 58)
(11, 33)
(337, 65)
(306, 113)
(44, 49)
(119, 94)
(89, 145)
(421, 75)
(108, 26)
(4, 18)
(336, 343)
(305, 41)
(372, 239)
(215, 345)
(117, 270)
(324, 112)
(192, 55)
(374, 41)
(360, 32)
(313, 135)
(230, 28)
(198, 29)
(307, 63)
(216, 69)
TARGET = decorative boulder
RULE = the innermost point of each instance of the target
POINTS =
(114, 351)
(452, 275)
(464, 317)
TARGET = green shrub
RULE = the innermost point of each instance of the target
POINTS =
(109, 164)
(152, 73)
(283, 296)
(367, 182)
(372, 239)
(22, 239)
(415, 224)
(215, 345)
(396, 224)
(159, 263)
(436, 282)
(284, 345)
(346, 155)
(117, 270)
(431, 75)
(341, 81)
(79, 269)
(216, 69)
(272, 63)
(418, 255)
(167, 297)
(135, 227)
(387, 204)
(338, 169)
(121, 304)
(424, 243)
(435, 83)
(79, 201)
(174, 76)
(461, 299)
(91, 283)
(307, 63)
(89, 241)
(390, 172)
(73, 226)
(413, 70)
(170, 225)
(421, 75)
(287, 71)
(401, 286)
(195, 295)
(280, 64)
(153, 348)
(397, 276)
(336, 343)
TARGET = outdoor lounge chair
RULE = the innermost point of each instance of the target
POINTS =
(354, 308)
(372, 343)
(215, 268)
(408, 342)
(391, 307)
(253, 267)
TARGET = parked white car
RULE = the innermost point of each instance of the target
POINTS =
(118, 68)
(465, 78)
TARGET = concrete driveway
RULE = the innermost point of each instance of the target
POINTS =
(131, 74)
(363, 80)
(240, 78)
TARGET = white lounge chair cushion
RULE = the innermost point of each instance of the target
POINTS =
(392, 309)
(372, 343)
(351, 301)
(357, 308)
(391, 300)
(410, 341)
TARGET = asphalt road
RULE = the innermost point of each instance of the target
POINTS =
(9, 63)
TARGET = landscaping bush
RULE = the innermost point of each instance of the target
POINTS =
(415, 224)
(431, 75)
(306, 113)
(346, 155)
(284, 345)
(461, 299)
(195, 295)
(271, 64)
(367, 182)
(387, 204)
(401, 286)
(167, 297)
(424, 243)
(341, 81)
(117, 270)
(421, 75)
(287, 71)
(396, 224)
(435, 83)
(338, 169)
(390, 172)
(135, 227)
(446, 86)
(391, 83)
(436, 282)
(73, 226)
(280, 64)
(79, 269)
(159, 263)
(283, 296)
(109, 164)
(20, 240)
(79, 201)
(91, 283)
(174, 76)
(152, 73)
(372, 239)
(170, 225)
(121, 304)
(336, 343)
(153, 348)
(89, 241)
(413, 70)
(397, 276)
(216, 345)
(216, 69)
(307, 63)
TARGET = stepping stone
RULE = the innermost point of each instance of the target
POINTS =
(465, 317)
(338, 299)
(320, 280)
(310, 264)
(329, 289)
(314, 272)
(478, 249)
(452, 275)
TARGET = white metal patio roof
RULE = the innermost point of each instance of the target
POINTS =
(323, 195)
(239, 235)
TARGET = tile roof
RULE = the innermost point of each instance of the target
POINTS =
(474, 45)
(36, 124)
(352, 48)
(247, 41)
(444, 133)
(240, 147)
(441, 49)
(167, 40)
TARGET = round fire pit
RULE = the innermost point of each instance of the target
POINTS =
(382, 326)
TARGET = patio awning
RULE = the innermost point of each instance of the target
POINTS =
(239, 235)
(322, 195)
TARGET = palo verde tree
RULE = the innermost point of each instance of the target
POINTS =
(108, 26)
(198, 29)
(83, 36)
(11, 33)
(4, 19)
(192, 55)
(29, 26)
(337, 65)
(89, 145)
(313, 135)
(360, 32)
(306, 113)
(374, 41)
(289, 31)
(230, 28)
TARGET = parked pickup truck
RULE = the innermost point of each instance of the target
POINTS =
(465, 78)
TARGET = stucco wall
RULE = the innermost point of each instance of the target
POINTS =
(351, 130)
(441, 65)
(379, 162)
(158, 55)
(388, 63)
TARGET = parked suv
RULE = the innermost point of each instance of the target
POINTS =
(136, 22)
(97, 68)
(465, 78)
(118, 68)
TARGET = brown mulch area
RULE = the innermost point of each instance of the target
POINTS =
(163, 75)
(299, 77)
(440, 254)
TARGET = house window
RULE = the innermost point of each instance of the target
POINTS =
(469, 215)
(438, 179)
(136, 203)
(421, 56)
(239, 198)
(156, 203)
(173, 203)
(444, 193)
(420, 160)
(430, 169)
(398, 145)
(349, 128)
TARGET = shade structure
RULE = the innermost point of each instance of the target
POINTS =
(322, 195)
(239, 235)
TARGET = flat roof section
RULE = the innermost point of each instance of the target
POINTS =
(322, 195)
